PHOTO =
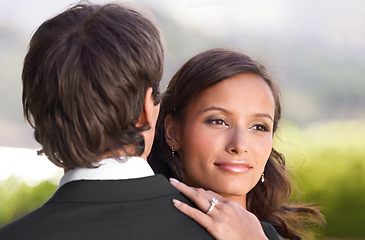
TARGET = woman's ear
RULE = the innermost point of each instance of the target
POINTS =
(172, 132)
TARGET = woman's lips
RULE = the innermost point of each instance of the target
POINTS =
(233, 167)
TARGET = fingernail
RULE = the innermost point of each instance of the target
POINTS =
(176, 202)
(173, 181)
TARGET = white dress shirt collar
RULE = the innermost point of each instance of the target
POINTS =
(110, 169)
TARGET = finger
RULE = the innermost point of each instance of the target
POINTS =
(182, 187)
(199, 196)
(194, 213)
(193, 192)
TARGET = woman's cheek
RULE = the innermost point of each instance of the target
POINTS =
(265, 149)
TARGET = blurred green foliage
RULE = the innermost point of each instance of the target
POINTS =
(17, 198)
(329, 170)
(327, 163)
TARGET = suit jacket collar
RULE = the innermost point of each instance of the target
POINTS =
(113, 190)
(110, 169)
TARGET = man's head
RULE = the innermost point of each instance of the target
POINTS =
(85, 79)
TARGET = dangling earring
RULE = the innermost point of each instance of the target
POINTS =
(262, 177)
(172, 151)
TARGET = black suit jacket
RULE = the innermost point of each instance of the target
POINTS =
(108, 209)
(111, 209)
(270, 231)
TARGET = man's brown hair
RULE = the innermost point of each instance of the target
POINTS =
(84, 81)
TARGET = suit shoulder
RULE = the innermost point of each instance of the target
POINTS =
(270, 231)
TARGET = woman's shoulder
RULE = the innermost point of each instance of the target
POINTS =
(270, 231)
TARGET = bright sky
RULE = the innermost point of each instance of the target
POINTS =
(216, 16)
(27, 165)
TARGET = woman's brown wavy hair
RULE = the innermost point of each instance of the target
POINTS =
(266, 200)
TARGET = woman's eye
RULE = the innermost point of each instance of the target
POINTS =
(217, 121)
(260, 127)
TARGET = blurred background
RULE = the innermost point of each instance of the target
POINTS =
(314, 49)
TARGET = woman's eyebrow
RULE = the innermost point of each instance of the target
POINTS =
(264, 115)
(214, 108)
(260, 115)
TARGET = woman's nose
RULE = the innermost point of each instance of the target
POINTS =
(237, 142)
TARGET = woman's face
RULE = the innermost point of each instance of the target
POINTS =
(225, 137)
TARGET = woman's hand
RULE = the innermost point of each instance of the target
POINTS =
(226, 220)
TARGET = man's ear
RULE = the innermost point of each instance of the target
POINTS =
(150, 111)
(172, 132)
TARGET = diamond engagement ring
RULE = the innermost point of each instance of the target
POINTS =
(213, 202)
